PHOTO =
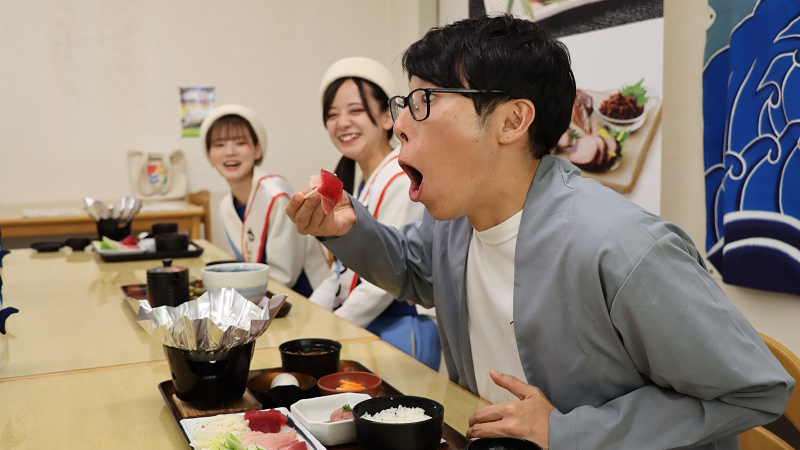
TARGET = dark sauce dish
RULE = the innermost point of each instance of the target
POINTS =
(47, 246)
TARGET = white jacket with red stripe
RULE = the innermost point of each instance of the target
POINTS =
(267, 230)
(385, 194)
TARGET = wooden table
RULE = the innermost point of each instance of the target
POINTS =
(121, 407)
(73, 314)
(14, 224)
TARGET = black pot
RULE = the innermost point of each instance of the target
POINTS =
(113, 229)
(172, 242)
(167, 285)
(163, 228)
(209, 380)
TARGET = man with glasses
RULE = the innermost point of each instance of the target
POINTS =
(588, 322)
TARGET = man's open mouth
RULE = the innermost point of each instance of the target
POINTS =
(414, 192)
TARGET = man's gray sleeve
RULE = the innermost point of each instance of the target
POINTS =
(712, 373)
(398, 261)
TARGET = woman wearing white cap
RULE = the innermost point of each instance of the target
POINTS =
(252, 213)
(355, 109)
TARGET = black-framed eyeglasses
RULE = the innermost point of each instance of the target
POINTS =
(418, 101)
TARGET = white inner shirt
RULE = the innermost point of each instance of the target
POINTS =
(490, 304)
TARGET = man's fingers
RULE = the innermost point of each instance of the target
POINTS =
(512, 384)
(295, 201)
(486, 414)
(303, 215)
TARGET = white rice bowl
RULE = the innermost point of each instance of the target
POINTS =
(399, 414)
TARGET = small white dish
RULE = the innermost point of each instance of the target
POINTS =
(314, 414)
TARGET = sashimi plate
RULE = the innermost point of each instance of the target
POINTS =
(189, 425)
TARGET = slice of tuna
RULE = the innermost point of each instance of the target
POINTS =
(270, 441)
(269, 421)
(296, 445)
(330, 189)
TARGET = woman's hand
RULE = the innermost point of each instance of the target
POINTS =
(308, 217)
(527, 419)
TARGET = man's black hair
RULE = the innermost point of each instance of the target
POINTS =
(501, 53)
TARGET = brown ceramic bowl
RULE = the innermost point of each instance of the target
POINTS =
(284, 395)
(329, 384)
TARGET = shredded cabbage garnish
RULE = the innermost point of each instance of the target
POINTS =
(211, 434)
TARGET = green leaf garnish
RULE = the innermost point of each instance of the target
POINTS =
(636, 91)
(346, 408)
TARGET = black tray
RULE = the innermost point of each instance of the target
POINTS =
(453, 439)
(108, 257)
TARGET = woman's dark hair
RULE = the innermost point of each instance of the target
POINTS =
(346, 168)
(503, 53)
(231, 126)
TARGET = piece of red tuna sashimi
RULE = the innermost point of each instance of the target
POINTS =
(296, 445)
(269, 421)
(330, 189)
(270, 441)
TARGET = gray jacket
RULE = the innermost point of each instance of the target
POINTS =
(616, 318)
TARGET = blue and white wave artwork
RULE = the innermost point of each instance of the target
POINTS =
(751, 97)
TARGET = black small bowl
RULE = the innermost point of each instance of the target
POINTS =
(422, 435)
(164, 228)
(502, 443)
(48, 246)
(172, 242)
(315, 357)
(285, 308)
(281, 396)
(78, 244)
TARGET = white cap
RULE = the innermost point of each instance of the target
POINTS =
(238, 110)
(361, 67)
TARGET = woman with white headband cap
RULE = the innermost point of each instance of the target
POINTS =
(355, 109)
(252, 213)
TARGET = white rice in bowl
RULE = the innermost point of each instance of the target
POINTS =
(400, 414)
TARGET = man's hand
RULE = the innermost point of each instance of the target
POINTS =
(527, 419)
(308, 217)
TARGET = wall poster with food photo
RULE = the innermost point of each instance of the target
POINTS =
(616, 50)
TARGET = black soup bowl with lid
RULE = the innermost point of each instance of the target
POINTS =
(417, 435)
(312, 356)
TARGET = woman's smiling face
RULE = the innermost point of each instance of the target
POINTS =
(349, 126)
(232, 152)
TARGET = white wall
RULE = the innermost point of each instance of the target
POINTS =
(83, 82)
